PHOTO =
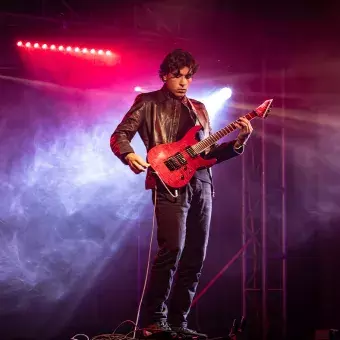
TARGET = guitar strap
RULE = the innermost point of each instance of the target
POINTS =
(199, 119)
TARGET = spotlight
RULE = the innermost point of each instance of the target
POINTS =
(61, 48)
(44, 46)
(226, 92)
(216, 100)
(28, 44)
(53, 47)
(36, 45)
(19, 43)
(138, 89)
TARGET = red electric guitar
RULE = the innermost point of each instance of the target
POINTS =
(175, 163)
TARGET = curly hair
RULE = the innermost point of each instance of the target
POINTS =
(175, 61)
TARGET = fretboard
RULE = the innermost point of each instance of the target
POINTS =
(213, 138)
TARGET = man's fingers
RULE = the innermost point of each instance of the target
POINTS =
(138, 166)
(136, 163)
(146, 165)
(245, 124)
(142, 162)
(135, 169)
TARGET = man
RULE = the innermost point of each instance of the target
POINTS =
(164, 116)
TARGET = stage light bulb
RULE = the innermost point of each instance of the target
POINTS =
(63, 48)
(226, 92)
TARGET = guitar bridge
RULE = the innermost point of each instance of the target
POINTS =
(172, 164)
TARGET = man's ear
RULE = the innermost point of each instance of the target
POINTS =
(165, 78)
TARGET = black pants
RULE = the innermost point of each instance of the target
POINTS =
(182, 235)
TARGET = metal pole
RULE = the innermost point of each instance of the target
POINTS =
(283, 209)
(264, 221)
(139, 276)
(244, 238)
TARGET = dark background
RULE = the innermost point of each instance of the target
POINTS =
(75, 224)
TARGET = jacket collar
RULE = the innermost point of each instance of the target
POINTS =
(165, 94)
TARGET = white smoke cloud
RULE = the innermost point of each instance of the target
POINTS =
(67, 204)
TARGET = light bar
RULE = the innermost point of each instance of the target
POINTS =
(61, 48)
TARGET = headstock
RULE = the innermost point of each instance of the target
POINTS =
(263, 110)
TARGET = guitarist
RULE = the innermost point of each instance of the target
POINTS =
(164, 116)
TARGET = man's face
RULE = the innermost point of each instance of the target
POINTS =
(178, 82)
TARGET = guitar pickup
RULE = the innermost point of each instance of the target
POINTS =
(180, 158)
(191, 152)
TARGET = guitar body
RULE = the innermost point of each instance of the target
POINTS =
(174, 163)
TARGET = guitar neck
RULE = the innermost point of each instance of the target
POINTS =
(212, 139)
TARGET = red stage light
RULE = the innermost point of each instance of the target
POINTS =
(61, 48)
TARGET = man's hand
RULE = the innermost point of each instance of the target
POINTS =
(246, 129)
(136, 163)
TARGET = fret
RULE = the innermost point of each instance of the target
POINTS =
(213, 138)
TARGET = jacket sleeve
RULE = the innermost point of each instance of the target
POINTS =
(223, 151)
(126, 130)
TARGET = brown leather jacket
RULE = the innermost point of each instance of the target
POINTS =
(155, 116)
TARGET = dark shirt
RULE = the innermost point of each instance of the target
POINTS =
(187, 121)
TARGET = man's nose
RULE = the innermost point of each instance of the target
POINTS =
(183, 81)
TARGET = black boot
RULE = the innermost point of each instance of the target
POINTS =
(189, 333)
